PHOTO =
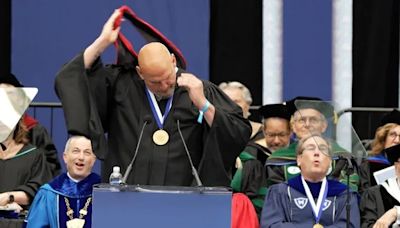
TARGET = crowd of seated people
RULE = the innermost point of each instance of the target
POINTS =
(263, 169)
(290, 174)
(249, 177)
(289, 171)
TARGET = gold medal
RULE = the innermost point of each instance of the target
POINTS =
(160, 137)
(317, 225)
(75, 223)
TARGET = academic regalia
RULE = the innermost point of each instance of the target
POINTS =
(39, 137)
(367, 169)
(379, 199)
(282, 165)
(49, 208)
(37, 134)
(26, 171)
(391, 117)
(257, 135)
(250, 179)
(113, 100)
(375, 202)
(286, 205)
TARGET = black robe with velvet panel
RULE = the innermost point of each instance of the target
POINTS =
(374, 203)
(26, 171)
(112, 99)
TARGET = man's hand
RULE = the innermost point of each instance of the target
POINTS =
(194, 86)
(108, 36)
(110, 33)
(386, 219)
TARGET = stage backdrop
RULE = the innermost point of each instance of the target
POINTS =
(47, 34)
(277, 48)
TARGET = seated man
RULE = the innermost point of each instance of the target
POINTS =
(380, 204)
(310, 199)
(250, 176)
(66, 200)
(310, 115)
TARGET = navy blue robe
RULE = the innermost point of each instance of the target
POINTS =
(286, 205)
(48, 208)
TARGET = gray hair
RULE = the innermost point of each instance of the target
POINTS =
(237, 85)
(68, 143)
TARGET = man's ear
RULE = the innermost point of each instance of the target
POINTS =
(324, 126)
(138, 72)
(298, 159)
(173, 59)
(65, 158)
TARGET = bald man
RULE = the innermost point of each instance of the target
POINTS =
(122, 98)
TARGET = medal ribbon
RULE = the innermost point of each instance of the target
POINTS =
(317, 209)
(156, 109)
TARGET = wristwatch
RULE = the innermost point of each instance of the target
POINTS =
(10, 198)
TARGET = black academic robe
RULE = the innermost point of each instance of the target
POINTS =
(113, 100)
(26, 171)
(250, 179)
(367, 169)
(374, 203)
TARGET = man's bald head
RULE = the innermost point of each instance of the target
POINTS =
(157, 68)
(154, 57)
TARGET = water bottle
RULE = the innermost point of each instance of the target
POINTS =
(116, 176)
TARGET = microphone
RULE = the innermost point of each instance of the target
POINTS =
(348, 157)
(147, 120)
(194, 170)
(348, 165)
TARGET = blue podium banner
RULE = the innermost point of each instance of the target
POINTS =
(161, 206)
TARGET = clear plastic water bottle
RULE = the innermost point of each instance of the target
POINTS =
(116, 176)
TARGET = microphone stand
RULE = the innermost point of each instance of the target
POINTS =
(349, 170)
(194, 171)
(129, 168)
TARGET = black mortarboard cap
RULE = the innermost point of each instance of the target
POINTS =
(391, 117)
(275, 110)
(10, 79)
(316, 103)
(392, 153)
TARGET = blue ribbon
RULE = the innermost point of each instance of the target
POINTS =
(153, 108)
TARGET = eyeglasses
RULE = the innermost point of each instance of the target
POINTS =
(280, 135)
(393, 135)
(310, 120)
(322, 148)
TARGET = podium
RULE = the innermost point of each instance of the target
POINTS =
(161, 206)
